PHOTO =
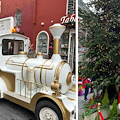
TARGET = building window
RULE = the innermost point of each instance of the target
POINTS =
(18, 18)
(42, 42)
(71, 6)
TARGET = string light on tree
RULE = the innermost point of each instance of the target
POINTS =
(104, 33)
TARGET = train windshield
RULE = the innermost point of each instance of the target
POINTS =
(12, 47)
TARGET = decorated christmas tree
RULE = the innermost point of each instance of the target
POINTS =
(103, 42)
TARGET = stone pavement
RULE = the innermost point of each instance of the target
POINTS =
(80, 104)
(11, 111)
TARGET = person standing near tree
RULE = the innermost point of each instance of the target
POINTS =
(86, 81)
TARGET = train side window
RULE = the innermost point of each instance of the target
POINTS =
(12, 47)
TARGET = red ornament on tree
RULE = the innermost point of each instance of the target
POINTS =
(83, 67)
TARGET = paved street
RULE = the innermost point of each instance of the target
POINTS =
(80, 104)
(11, 111)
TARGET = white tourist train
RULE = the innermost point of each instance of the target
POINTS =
(44, 86)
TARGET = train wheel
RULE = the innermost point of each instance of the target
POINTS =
(47, 110)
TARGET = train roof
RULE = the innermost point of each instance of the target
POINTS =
(14, 34)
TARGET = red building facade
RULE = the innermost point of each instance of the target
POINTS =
(35, 13)
(38, 16)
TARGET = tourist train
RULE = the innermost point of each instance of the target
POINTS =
(44, 86)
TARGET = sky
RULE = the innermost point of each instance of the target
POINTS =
(91, 8)
(85, 1)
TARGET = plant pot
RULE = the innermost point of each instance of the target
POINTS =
(105, 114)
(91, 117)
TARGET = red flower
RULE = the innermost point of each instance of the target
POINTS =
(90, 99)
(93, 106)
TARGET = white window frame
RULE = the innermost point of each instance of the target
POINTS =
(47, 43)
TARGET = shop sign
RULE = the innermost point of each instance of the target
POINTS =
(67, 18)
(6, 25)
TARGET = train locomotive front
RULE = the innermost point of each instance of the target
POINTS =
(42, 71)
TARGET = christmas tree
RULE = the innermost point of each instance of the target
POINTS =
(103, 42)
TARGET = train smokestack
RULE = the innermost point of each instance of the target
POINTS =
(57, 30)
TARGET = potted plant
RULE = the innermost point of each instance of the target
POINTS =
(91, 108)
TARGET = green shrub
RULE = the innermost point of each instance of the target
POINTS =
(114, 112)
(92, 101)
(97, 118)
(105, 100)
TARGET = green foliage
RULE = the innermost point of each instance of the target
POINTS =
(69, 25)
(91, 106)
(103, 42)
(114, 112)
(86, 106)
(105, 100)
(93, 96)
(114, 118)
(90, 111)
(96, 118)
(92, 101)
